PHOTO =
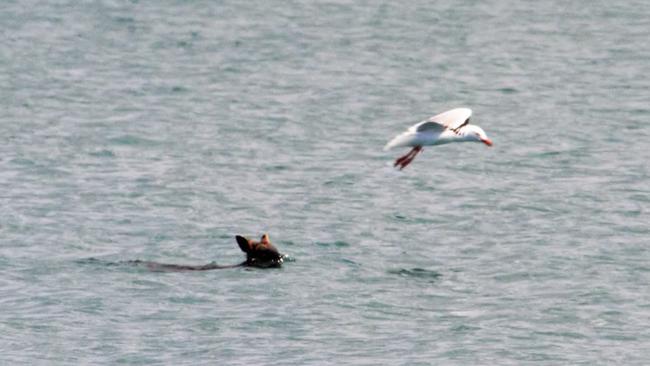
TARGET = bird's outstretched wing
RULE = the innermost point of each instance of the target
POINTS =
(428, 126)
(429, 130)
(453, 119)
(416, 135)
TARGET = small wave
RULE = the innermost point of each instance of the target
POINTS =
(338, 244)
(103, 153)
(416, 273)
(508, 90)
(131, 140)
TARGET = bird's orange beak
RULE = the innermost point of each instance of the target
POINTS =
(487, 141)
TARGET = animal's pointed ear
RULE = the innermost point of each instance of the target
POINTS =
(244, 244)
(265, 239)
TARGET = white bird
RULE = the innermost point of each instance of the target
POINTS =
(446, 127)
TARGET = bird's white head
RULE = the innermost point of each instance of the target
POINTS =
(475, 133)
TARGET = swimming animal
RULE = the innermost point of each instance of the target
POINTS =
(443, 128)
(261, 254)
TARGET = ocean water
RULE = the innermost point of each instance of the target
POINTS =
(158, 130)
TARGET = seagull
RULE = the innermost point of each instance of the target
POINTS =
(443, 128)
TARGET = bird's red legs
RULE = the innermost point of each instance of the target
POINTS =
(405, 160)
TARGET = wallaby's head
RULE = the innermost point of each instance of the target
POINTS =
(260, 253)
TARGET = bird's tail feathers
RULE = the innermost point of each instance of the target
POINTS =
(404, 139)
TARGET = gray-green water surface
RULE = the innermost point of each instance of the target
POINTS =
(157, 130)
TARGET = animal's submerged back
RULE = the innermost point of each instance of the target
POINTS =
(167, 267)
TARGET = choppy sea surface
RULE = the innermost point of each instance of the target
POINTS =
(158, 130)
